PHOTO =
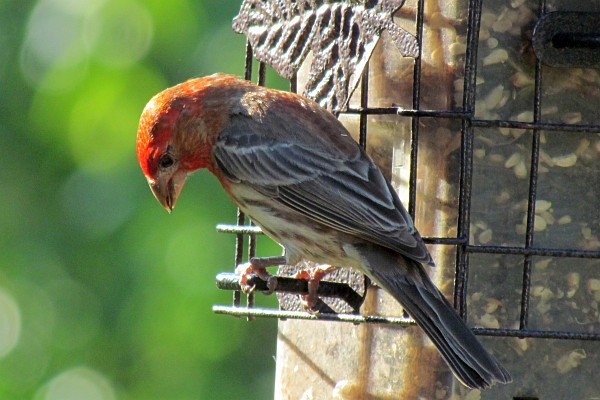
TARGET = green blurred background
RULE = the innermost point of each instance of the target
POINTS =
(103, 295)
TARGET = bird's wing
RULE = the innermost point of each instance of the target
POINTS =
(334, 183)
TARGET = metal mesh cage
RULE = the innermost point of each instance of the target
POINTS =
(518, 142)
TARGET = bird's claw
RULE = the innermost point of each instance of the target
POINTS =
(313, 276)
(257, 267)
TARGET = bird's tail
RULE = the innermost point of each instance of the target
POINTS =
(407, 282)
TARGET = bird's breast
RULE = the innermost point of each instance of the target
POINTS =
(303, 238)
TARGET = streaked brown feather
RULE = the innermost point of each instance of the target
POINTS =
(306, 160)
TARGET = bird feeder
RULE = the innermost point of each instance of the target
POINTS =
(490, 132)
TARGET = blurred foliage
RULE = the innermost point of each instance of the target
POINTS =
(103, 295)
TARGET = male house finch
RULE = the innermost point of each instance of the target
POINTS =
(296, 172)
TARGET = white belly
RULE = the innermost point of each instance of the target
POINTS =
(303, 238)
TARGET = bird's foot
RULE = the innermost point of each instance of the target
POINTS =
(313, 276)
(258, 266)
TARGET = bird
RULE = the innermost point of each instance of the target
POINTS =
(295, 170)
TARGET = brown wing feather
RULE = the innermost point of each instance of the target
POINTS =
(335, 183)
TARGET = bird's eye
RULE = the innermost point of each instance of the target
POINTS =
(166, 161)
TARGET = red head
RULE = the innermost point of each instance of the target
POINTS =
(177, 129)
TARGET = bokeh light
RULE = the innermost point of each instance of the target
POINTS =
(54, 43)
(119, 34)
(10, 323)
(76, 384)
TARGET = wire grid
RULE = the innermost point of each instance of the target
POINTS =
(464, 249)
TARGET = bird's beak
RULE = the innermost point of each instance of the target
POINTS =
(166, 189)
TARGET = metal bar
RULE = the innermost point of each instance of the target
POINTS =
(445, 241)
(364, 101)
(262, 72)
(250, 300)
(271, 313)
(533, 176)
(470, 86)
(406, 113)
(533, 251)
(256, 230)
(239, 229)
(239, 254)
(241, 218)
(538, 334)
(377, 319)
(480, 123)
(466, 160)
(416, 99)
(248, 62)
(514, 250)
(536, 125)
